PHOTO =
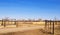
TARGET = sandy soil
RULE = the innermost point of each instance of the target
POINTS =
(27, 32)
(19, 29)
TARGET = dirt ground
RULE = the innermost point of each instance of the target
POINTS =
(33, 30)
(28, 32)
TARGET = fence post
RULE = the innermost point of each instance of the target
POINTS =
(16, 23)
(2, 23)
(45, 24)
(50, 25)
(53, 27)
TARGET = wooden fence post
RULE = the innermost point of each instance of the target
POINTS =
(50, 25)
(53, 27)
(4, 23)
(45, 24)
(15, 22)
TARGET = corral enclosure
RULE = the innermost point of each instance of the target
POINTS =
(49, 27)
(19, 23)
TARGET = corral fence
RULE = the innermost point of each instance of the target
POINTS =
(8, 22)
(50, 26)
(15, 22)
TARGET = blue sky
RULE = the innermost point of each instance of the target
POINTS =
(33, 9)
